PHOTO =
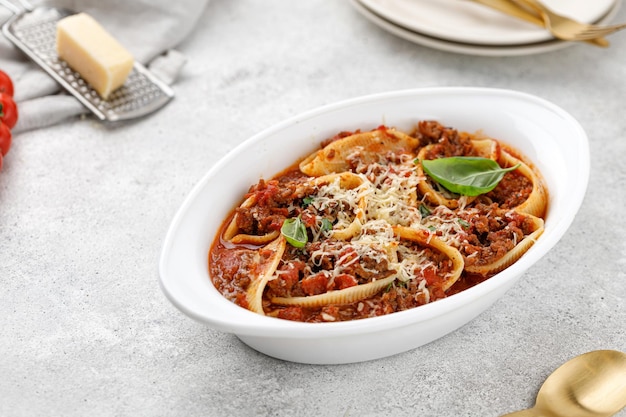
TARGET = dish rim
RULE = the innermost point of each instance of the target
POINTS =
(253, 324)
(472, 49)
(392, 10)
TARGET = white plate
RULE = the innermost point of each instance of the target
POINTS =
(546, 134)
(468, 48)
(468, 22)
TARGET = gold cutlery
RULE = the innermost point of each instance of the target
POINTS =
(565, 28)
(520, 12)
(589, 385)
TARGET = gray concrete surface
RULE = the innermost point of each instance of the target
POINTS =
(85, 329)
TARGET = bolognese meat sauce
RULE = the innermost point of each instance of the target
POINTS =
(357, 255)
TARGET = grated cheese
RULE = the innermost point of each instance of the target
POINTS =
(389, 192)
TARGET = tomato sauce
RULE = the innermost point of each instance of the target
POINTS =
(482, 230)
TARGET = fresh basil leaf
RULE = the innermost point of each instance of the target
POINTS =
(307, 200)
(295, 232)
(326, 225)
(463, 223)
(424, 211)
(466, 175)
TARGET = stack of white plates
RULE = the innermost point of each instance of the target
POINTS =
(463, 26)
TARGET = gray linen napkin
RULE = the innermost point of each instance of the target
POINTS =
(149, 29)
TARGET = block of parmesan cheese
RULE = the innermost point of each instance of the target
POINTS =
(94, 53)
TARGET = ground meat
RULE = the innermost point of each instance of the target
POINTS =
(294, 313)
(330, 313)
(429, 131)
(481, 224)
(489, 229)
(512, 190)
(446, 141)
(287, 277)
(231, 271)
(491, 237)
(369, 261)
(273, 200)
(269, 222)
(245, 220)
(324, 262)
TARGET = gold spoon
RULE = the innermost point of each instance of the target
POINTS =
(590, 385)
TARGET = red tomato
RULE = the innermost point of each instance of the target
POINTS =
(5, 139)
(8, 110)
(0, 162)
(6, 85)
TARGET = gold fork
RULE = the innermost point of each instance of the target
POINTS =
(530, 15)
(565, 28)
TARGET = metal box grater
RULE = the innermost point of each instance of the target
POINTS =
(34, 32)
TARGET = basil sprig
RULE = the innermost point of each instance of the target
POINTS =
(466, 175)
(327, 225)
(295, 232)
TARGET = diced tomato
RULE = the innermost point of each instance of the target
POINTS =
(290, 276)
(430, 275)
(266, 195)
(308, 219)
(345, 281)
(315, 284)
